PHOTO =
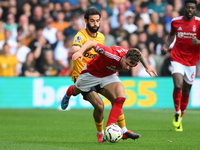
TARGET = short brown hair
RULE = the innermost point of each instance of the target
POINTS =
(134, 55)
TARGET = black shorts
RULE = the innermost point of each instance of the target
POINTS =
(96, 88)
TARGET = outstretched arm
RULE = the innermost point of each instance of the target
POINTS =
(147, 68)
(87, 46)
(170, 39)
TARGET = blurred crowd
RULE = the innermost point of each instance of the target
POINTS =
(35, 38)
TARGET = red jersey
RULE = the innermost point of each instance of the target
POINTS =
(102, 66)
(183, 50)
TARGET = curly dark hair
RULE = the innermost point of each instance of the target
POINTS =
(91, 11)
(134, 55)
(190, 1)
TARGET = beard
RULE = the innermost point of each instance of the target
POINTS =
(189, 16)
(91, 29)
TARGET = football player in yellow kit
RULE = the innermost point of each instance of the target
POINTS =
(92, 19)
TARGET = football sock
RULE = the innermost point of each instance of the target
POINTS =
(99, 127)
(100, 132)
(70, 91)
(177, 99)
(178, 112)
(124, 129)
(115, 110)
(121, 121)
(184, 102)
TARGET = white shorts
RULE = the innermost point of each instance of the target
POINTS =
(188, 72)
(85, 81)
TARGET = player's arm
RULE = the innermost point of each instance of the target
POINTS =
(170, 39)
(147, 68)
(86, 46)
(75, 48)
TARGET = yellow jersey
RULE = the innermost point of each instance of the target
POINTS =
(7, 65)
(80, 38)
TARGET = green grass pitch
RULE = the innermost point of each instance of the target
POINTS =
(44, 129)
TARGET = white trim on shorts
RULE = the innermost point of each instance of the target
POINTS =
(86, 80)
(188, 72)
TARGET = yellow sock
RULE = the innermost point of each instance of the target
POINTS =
(121, 121)
(99, 126)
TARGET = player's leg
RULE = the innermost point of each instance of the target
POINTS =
(177, 74)
(98, 105)
(189, 77)
(116, 89)
(72, 90)
(187, 84)
(185, 97)
(83, 84)
(121, 120)
(177, 94)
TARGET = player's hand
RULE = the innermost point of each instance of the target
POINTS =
(194, 40)
(77, 55)
(151, 69)
(165, 50)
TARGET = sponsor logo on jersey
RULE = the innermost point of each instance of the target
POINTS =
(111, 68)
(89, 55)
(186, 34)
(180, 34)
(179, 29)
(121, 50)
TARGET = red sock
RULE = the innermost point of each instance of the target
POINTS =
(177, 99)
(116, 110)
(70, 91)
(184, 102)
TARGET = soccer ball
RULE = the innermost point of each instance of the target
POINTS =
(113, 133)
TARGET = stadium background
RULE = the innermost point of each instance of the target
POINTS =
(46, 92)
(142, 93)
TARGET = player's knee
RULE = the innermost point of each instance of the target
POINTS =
(100, 107)
(178, 86)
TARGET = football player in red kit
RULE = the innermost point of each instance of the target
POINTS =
(102, 70)
(184, 56)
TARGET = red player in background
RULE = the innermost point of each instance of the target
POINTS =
(184, 56)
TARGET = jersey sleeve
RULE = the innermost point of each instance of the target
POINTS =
(79, 39)
(101, 49)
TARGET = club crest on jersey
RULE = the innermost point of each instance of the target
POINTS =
(194, 28)
(180, 34)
